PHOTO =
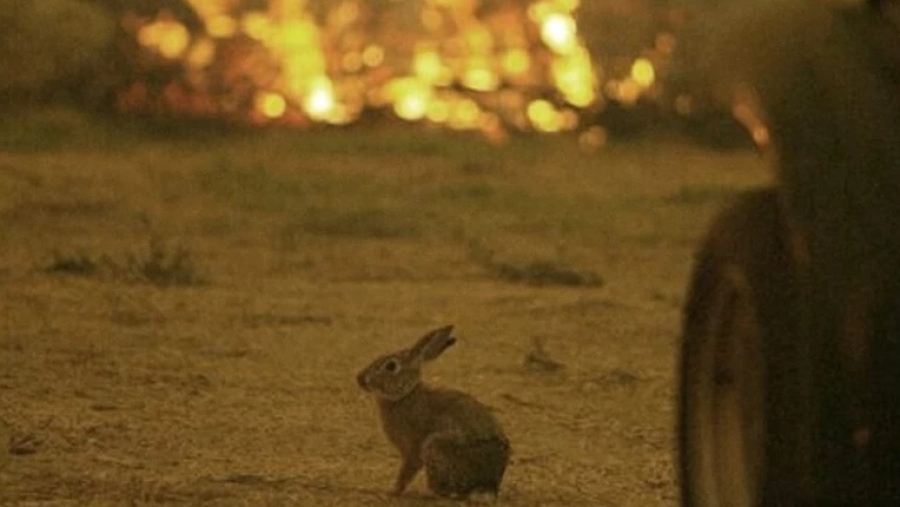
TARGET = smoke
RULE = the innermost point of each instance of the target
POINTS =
(50, 41)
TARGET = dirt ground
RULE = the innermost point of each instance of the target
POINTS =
(183, 316)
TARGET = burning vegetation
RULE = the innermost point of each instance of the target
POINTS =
(482, 65)
(603, 67)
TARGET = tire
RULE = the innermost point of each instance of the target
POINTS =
(734, 399)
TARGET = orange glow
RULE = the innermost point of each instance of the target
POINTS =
(168, 38)
(256, 25)
(427, 65)
(539, 11)
(568, 5)
(558, 33)
(319, 101)
(297, 35)
(451, 62)
(573, 76)
(516, 61)
(271, 105)
(221, 26)
(479, 39)
(438, 111)
(464, 114)
(746, 111)
(511, 99)
(479, 77)
(410, 96)
(373, 55)
(492, 127)
(628, 91)
(760, 136)
(210, 8)
(544, 117)
(201, 54)
(568, 119)
(432, 20)
(642, 72)
(345, 13)
(352, 62)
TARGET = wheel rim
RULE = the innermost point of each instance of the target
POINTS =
(723, 403)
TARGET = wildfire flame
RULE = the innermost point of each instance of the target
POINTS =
(440, 61)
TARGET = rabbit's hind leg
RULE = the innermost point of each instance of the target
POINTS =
(457, 466)
(445, 472)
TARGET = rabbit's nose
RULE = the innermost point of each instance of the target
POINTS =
(361, 381)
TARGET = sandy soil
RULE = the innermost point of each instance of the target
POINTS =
(219, 370)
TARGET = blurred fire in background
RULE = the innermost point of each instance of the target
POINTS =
(601, 68)
(482, 65)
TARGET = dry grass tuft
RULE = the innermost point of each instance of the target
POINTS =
(163, 265)
(159, 264)
(539, 273)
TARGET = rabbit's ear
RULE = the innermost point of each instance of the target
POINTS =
(431, 345)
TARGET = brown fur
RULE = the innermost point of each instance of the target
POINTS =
(455, 437)
(451, 434)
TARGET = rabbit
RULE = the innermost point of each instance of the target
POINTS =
(452, 435)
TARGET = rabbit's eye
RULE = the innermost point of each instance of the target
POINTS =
(392, 366)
